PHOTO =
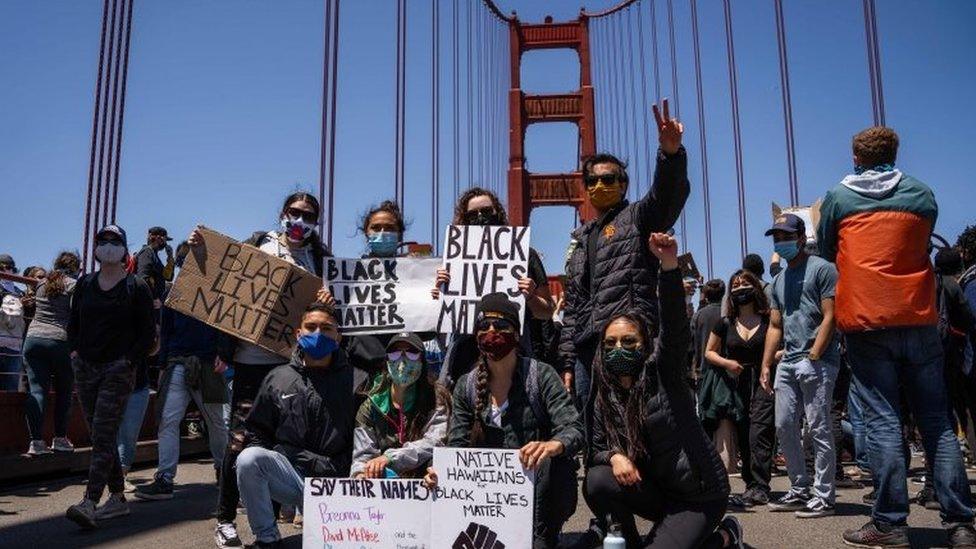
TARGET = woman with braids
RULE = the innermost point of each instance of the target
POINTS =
(296, 241)
(512, 401)
(403, 418)
(478, 206)
(649, 455)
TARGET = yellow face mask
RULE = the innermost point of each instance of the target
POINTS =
(604, 196)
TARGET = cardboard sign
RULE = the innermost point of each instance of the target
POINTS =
(484, 499)
(686, 262)
(481, 260)
(811, 220)
(357, 513)
(243, 291)
(383, 295)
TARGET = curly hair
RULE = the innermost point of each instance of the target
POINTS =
(761, 303)
(876, 146)
(462, 205)
(387, 206)
(967, 245)
(65, 263)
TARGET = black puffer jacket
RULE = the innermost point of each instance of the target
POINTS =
(681, 461)
(625, 271)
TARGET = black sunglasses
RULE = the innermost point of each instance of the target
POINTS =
(608, 179)
(308, 217)
(499, 324)
(480, 212)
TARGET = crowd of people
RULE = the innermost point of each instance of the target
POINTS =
(859, 348)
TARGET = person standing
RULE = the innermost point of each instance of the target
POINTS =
(877, 224)
(109, 328)
(11, 327)
(802, 319)
(702, 324)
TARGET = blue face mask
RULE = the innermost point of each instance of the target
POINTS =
(787, 249)
(382, 244)
(317, 345)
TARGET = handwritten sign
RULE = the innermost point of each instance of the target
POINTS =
(810, 216)
(481, 260)
(358, 513)
(243, 291)
(481, 495)
(383, 295)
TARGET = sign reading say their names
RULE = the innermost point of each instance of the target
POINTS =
(484, 498)
(383, 295)
(356, 513)
(243, 291)
(481, 260)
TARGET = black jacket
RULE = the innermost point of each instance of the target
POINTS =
(681, 460)
(307, 414)
(625, 271)
(150, 269)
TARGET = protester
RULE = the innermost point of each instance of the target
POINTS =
(730, 391)
(513, 401)
(480, 207)
(298, 243)
(11, 333)
(702, 323)
(876, 224)
(188, 355)
(649, 455)
(802, 319)
(301, 425)
(109, 328)
(150, 268)
(28, 300)
(8, 265)
(403, 418)
(47, 355)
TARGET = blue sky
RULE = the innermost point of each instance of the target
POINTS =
(223, 104)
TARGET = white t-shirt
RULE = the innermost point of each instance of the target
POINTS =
(497, 412)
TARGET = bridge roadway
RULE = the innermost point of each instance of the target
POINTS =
(32, 516)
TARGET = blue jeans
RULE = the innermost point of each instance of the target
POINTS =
(11, 363)
(855, 412)
(178, 396)
(805, 389)
(135, 412)
(910, 358)
(262, 476)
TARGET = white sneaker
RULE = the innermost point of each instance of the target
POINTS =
(38, 448)
(82, 513)
(225, 535)
(114, 506)
(62, 444)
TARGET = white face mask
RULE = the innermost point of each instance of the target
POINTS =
(296, 229)
(109, 253)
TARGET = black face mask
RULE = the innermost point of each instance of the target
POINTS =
(484, 216)
(743, 296)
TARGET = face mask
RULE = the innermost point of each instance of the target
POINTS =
(296, 229)
(317, 345)
(743, 296)
(382, 243)
(604, 196)
(496, 345)
(404, 371)
(787, 249)
(109, 253)
(623, 362)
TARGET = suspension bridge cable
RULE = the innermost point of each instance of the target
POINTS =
(479, 101)
(631, 76)
(110, 158)
(677, 106)
(324, 141)
(118, 142)
(702, 136)
(784, 75)
(89, 230)
(435, 121)
(614, 89)
(874, 62)
(470, 105)
(396, 129)
(455, 101)
(334, 78)
(643, 102)
(99, 221)
(736, 129)
(654, 53)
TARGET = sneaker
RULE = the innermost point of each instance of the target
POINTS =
(38, 448)
(736, 503)
(846, 482)
(114, 506)
(755, 497)
(225, 535)
(62, 444)
(870, 497)
(926, 498)
(156, 490)
(873, 537)
(816, 508)
(733, 528)
(82, 513)
(791, 501)
(962, 536)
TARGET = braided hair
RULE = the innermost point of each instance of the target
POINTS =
(482, 401)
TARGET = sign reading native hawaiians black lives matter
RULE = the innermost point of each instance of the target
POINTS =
(481, 260)
(243, 291)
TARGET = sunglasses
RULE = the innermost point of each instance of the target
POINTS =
(307, 217)
(608, 179)
(627, 342)
(397, 355)
(108, 240)
(472, 215)
(500, 325)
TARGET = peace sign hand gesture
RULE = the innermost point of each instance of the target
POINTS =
(669, 130)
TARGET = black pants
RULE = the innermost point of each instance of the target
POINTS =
(677, 524)
(762, 440)
(247, 381)
(838, 409)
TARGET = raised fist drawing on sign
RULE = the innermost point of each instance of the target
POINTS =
(477, 536)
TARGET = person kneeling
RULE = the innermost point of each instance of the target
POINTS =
(649, 455)
(403, 418)
(300, 425)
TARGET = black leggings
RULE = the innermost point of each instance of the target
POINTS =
(677, 524)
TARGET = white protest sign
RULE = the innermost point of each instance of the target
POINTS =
(481, 260)
(364, 513)
(484, 498)
(383, 295)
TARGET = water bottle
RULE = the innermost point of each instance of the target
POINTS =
(614, 539)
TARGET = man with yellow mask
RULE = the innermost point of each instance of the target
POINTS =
(609, 268)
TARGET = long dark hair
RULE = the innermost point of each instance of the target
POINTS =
(430, 395)
(315, 239)
(65, 263)
(761, 303)
(389, 207)
(623, 412)
(462, 205)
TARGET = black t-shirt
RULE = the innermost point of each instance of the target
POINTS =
(748, 353)
(107, 325)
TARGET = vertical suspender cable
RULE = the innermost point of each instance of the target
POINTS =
(469, 129)
(631, 75)
(736, 130)
(455, 102)
(396, 123)
(874, 62)
(99, 221)
(89, 229)
(612, 56)
(332, 115)
(118, 142)
(648, 161)
(677, 104)
(110, 158)
(784, 75)
(657, 74)
(324, 141)
(701, 136)
(477, 133)
(435, 71)
(877, 64)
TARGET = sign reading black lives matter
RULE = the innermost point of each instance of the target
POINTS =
(383, 295)
(484, 498)
(243, 291)
(481, 260)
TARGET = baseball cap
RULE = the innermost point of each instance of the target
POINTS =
(409, 338)
(113, 229)
(498, 305)
(159, 231)
(788, 223)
